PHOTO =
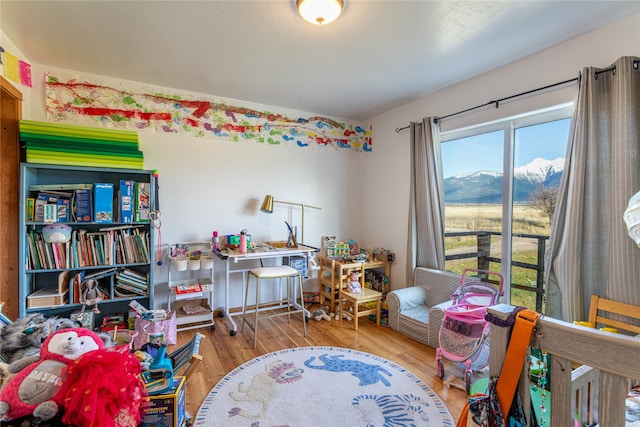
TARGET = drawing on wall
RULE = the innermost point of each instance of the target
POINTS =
(84, 103)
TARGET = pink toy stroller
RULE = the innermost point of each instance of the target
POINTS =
(464, 334)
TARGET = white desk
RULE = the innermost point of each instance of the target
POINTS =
(261, 252)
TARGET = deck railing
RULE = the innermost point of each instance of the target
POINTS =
(603, 359)
(484, 258)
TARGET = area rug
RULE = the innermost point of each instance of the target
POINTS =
(321, 386)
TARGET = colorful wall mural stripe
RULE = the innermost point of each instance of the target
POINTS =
(85, 103)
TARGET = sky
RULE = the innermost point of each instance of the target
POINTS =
(484, 152)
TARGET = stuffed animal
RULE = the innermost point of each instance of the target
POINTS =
(90, 295)
(321, 313)
(39, 389)
(24, 337)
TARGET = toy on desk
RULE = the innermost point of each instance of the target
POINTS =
(215, 240)
(354, 283)
(243, 241)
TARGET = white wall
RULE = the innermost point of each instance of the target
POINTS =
(384, 220)
(208, 185)
(214, 184)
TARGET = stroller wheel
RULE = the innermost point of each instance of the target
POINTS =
(467, 381)
(441, 369)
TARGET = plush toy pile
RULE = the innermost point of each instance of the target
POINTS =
(24, 337)
(74, 375)
(56, 369)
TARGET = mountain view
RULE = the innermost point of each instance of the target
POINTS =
(486, 186)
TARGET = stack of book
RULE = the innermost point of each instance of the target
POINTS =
(188, 290)
(131, 283)
(81, 277)
(60, 144)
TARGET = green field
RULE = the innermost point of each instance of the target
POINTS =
(473, 218)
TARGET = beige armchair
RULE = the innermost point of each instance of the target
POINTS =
(417, 311)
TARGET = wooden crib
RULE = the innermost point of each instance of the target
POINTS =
(591, 370)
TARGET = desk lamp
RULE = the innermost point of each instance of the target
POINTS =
(632, 218)
(267, 207)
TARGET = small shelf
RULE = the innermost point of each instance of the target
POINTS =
(192, 271)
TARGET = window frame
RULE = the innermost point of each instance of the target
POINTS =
(509, 125)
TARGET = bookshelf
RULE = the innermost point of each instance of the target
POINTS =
(111, 248)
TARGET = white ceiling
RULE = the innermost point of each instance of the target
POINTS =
(376, 56)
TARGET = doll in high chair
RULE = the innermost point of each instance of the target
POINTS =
(354, 283)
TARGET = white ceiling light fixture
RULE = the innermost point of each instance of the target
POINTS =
(320, 12)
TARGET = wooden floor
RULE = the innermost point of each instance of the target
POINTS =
(222, 352)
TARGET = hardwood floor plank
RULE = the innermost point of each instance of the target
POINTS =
(222, 352)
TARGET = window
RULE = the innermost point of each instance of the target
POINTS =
(500, 182)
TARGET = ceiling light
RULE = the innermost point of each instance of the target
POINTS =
(320, 12)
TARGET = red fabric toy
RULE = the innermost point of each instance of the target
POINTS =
(93, 385)
(38, 389)
(105, 390)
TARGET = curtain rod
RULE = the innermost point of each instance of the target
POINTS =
(498, 101)
(495, 102)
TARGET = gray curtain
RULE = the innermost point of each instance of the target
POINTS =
(590, 251)
(425, 242)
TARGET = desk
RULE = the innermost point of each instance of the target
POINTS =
(261, 252)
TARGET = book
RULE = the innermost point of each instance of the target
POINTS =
(30, 206)
(127, 189)
(103, 202)
(42, 200)
(50, 212)
(82, 206)
(191, 290)
(58, 187)
(142, 205)
(63, 210)
(47, 297)
(130, 289)
(188, 288)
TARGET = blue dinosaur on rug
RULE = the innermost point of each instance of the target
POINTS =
(366, 373)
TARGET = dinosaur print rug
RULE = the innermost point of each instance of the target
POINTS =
(321, 386)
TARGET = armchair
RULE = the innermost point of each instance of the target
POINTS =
(417, 311)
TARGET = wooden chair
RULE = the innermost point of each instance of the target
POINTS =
(600, 308)
(334, 276)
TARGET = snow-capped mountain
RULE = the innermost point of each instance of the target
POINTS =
(539, 170)
(486, 186)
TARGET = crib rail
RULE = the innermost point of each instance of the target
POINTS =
(609, 363)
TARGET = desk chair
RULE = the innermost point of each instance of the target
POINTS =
(267, 274)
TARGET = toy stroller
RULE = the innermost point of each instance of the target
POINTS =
(464, 334)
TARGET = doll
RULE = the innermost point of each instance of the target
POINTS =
(354, 283)
(90, 295)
